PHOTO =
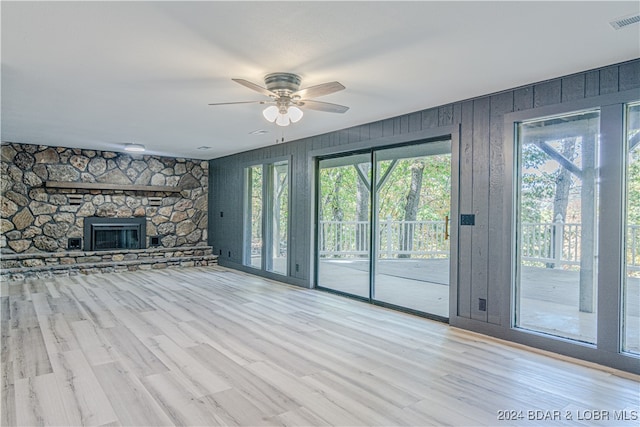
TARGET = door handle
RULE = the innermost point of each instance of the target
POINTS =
(446, 227)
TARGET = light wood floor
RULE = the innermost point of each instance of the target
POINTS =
(210, 346)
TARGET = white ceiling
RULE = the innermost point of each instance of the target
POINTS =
(102, 74)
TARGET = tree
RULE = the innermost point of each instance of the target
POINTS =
(345, 192)
(362, 205)
(562, 188)
(411, 207)
(564, 180)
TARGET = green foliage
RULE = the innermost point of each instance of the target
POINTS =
(538, 185)
(338, 190)
(255, 176)
(435, 194)
(633, 187)
(338, 193)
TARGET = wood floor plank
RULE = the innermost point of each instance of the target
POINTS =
(8, 402)
(95, 347)
(213, 346)
(68, 307)
(29, 353)
(169, 327)
(372, 415)
(91, 306)
(4, 288)
(137, 323)
(178, 360)
(235, 409)
(133, 352)
(305, 395)
(173, 309)
(38, 402)
(180, 405)
(292, 360)
(8, 406)
(84, 400)
(56, 332)
(131, 301)
(129, 398)
(379, 395)
(262, 394)
(228, 340)
(52, 290)
(299, 417)
(236, 350)
(22, 313)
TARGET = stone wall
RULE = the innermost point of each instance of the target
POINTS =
(36, 218)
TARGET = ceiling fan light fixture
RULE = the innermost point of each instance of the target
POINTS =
(295, 114)
(271, 113)
(284, 91)
(134, 147)
(283, 120)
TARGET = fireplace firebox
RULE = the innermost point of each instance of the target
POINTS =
(102, 234)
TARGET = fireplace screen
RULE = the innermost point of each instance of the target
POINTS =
(102, 234)
(121, 237)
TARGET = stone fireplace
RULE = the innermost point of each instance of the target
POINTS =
(49, 195)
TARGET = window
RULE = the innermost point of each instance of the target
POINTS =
(557, 222)
(267, 217)
(253, 238)
(631, 276)
(279, 193)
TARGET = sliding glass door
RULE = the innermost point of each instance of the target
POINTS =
(401, 222)
(413, 193)
(344, 224)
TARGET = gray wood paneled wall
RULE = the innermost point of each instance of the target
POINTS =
(483, 156)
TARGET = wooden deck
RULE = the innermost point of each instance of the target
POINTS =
(211, 346)
(549, 303)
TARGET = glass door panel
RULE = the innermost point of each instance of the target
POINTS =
(279, 193)
(631, 291)
(344, 224)
(557, 218)
(253, 212)
(413, 194)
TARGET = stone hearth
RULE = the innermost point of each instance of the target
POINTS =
(70, 263)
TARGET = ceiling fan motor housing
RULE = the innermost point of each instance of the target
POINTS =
(282, 83)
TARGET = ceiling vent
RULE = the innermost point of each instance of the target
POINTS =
(625, 21)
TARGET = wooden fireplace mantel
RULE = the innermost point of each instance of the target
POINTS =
(108, 186)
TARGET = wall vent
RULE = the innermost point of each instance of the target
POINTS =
(75, 199)
(625, 21)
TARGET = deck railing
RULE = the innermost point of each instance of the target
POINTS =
(555, 244)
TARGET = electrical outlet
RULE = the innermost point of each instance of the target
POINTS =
(482, 304)
(297, 267)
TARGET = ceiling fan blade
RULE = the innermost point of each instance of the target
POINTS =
(322, 106)
(318, 90)
(241, 102)
(255, 87)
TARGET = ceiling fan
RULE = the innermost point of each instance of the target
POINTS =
(287, 99)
